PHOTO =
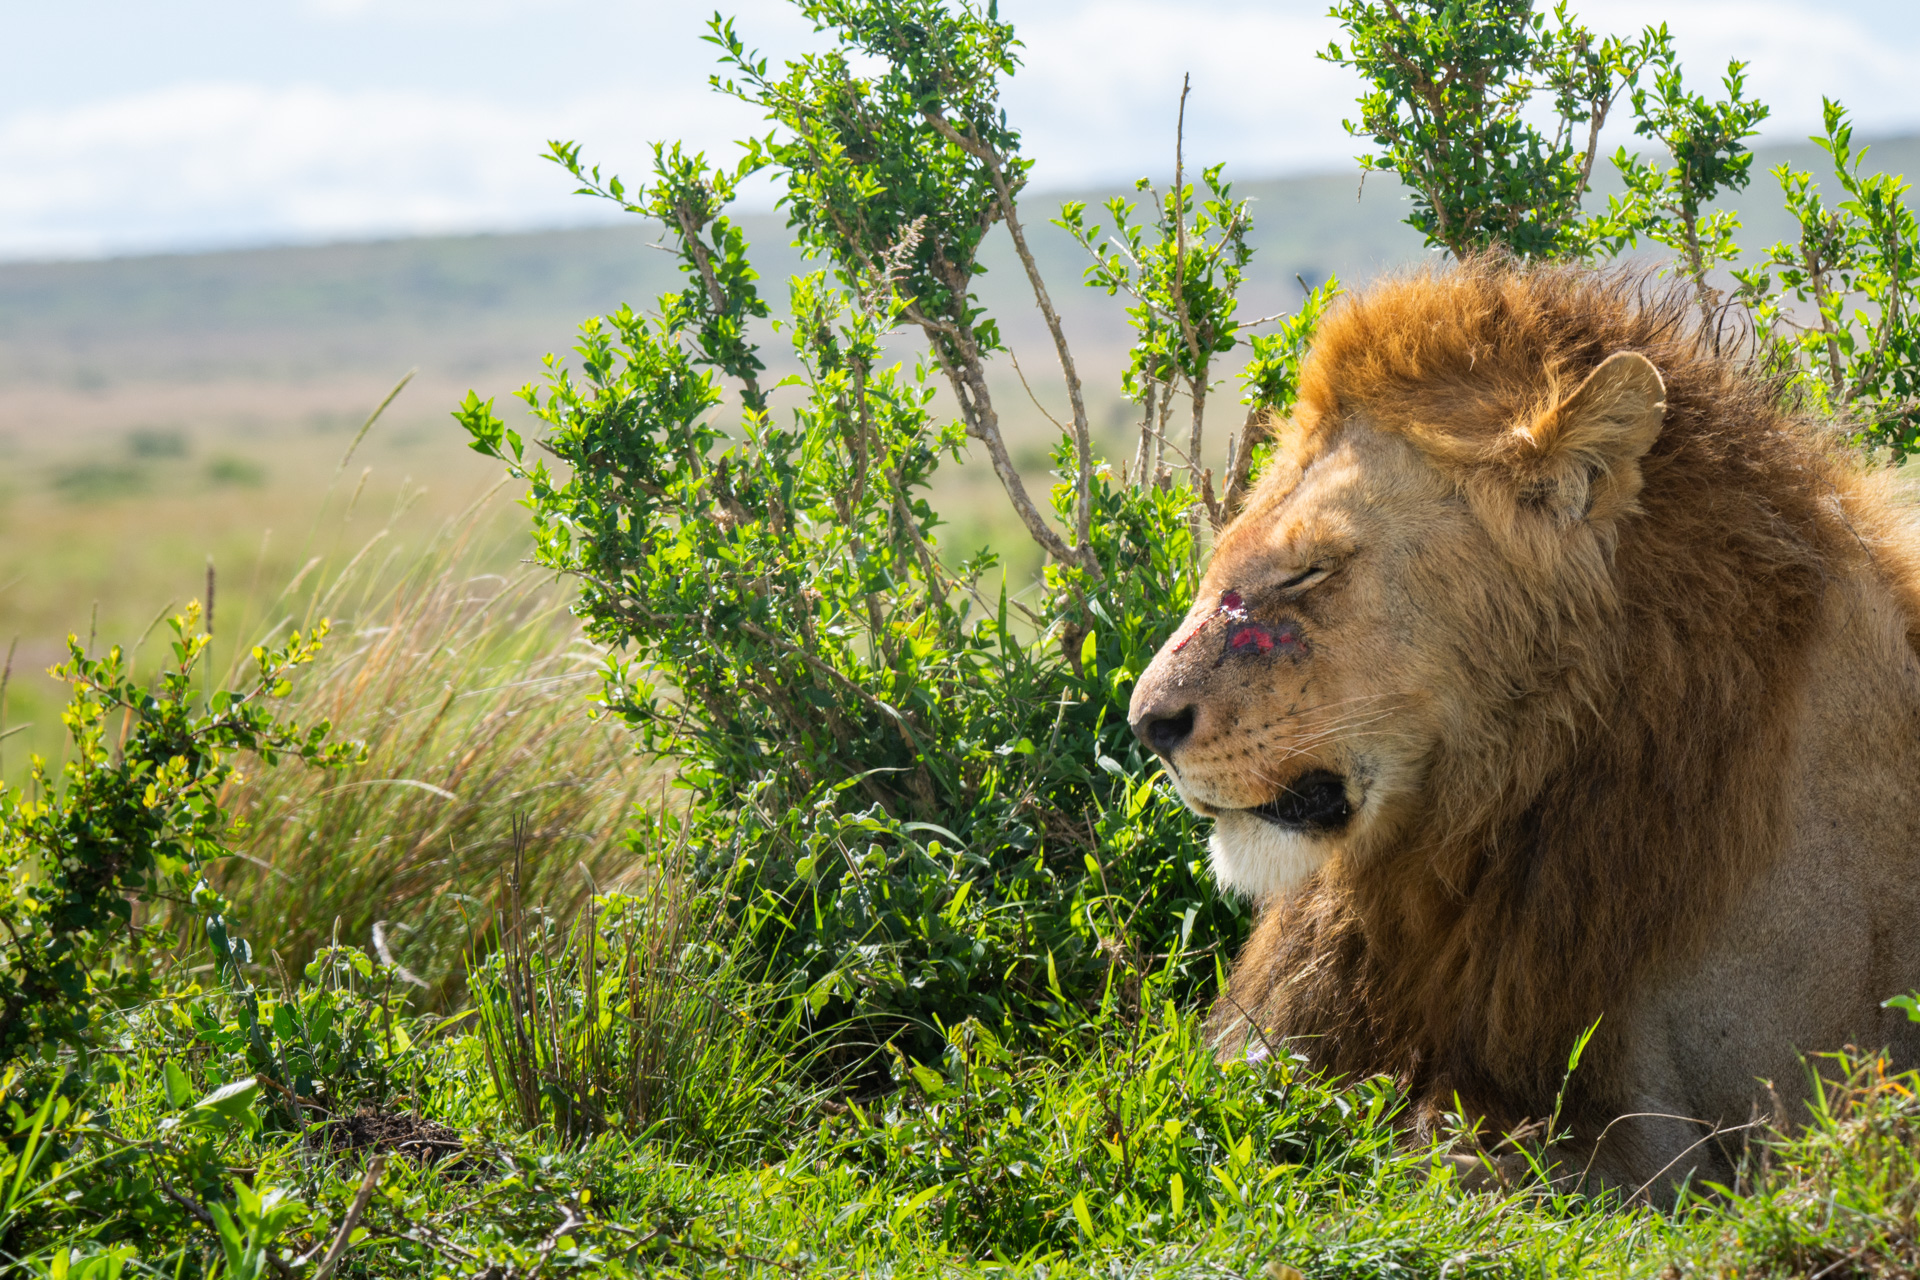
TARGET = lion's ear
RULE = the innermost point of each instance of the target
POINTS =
(1580, 460)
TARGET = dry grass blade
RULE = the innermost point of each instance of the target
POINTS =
(470, 693)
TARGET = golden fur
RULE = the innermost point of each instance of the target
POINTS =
(1589, 643)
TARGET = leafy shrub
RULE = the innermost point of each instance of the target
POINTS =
(96, 481)
(157, 442)
(135, 818)
(916, 796)
(232, 470)
(1451, 83)
(1856, 265)
(1832, 312)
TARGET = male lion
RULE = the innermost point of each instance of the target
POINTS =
(1553, 675)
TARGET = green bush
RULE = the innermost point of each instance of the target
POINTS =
(1832, 313)
(917, 796)
(134, 819)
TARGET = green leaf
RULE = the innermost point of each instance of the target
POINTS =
(224, 1105)
(1083, 1215)
(918, 1201)
(179, 1088)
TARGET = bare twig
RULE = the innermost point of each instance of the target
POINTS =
(983, 424)
(1028, 388)
(1197, 384)
(1255, 431)
(1082, 434)
(342, 1237)
(1180, 228)
(1216, 513)
(6, 677)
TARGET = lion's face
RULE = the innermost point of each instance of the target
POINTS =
(1296, 706)
(1363, 617)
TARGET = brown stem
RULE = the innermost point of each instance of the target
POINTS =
(690, 236)
(1258, 427)
(1216, 513)
(1082, 434)
(375, 1167)
(1594, 125)
(983, 424)
(1180, 229)
(1817, 276)
(1144, 454)
(1197, 390)
(1697, 268)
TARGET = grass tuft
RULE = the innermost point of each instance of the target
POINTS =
(1840, 1199)
(469, 690)
(637, 1019)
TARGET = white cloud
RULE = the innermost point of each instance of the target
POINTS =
(446, 136)
(1862, 52)
(1100, 90)
(209, 163)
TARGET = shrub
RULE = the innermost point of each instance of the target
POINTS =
(1856, 265)
(917, 796)
(1451, 83)
(134, 820)
(1832, 313)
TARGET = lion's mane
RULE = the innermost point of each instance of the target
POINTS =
(1626, 775)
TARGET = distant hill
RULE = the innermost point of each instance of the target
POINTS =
(471, 302)
(484, 308)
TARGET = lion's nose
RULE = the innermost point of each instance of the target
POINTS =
(1163, 732)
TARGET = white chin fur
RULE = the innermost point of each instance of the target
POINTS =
(1256, 859)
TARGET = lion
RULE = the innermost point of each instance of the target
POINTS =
(1555, 679)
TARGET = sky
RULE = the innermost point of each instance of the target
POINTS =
(133, 126)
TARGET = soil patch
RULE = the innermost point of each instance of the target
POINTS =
(424, 1141)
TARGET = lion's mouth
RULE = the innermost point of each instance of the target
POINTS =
(1315, 801)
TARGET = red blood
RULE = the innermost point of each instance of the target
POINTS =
(1250, 638)
(1236, 610)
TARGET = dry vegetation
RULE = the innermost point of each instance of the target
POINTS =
(469, 688)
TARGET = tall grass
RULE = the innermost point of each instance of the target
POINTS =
(636, 1017)
(469, 689)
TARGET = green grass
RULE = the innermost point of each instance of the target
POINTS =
(469, 688)
(1130, 1151)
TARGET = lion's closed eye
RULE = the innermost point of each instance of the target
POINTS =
(1304, 578)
